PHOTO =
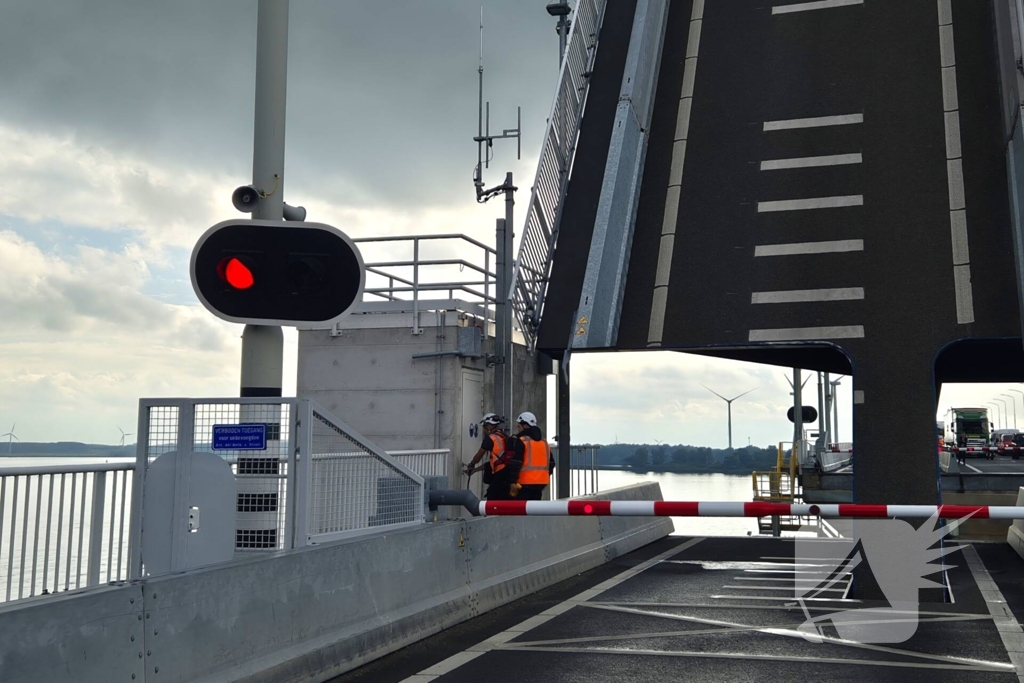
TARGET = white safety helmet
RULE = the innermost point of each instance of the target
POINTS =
(528, 419)
(491, 419)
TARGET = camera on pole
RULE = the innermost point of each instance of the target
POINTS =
(246, 198)
(274, 273)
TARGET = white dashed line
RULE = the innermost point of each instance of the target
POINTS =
(812, 162)
(816, 122)
(811, 203)
(798, 248)
(808, 6)
(802, 295)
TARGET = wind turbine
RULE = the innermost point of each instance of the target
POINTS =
(11, 438)
(123, 434)
(729, 403)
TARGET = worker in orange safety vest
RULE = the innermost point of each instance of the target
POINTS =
(530, 447)
(500, 470)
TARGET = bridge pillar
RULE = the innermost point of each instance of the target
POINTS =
(895, 449)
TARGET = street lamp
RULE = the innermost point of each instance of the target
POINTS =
(999, 413)
(835, 410)
(1013, 403)
(1018, 391)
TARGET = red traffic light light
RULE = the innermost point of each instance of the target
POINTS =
(234, 271)
(307, 275)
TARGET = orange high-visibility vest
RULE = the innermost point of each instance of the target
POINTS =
(498, 449)
(535, 462)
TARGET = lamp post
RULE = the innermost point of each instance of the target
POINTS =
(1013, 403)
(998, 414)
(1018, 391)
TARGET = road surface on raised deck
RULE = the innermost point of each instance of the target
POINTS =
(714, 609)
(1000, 464)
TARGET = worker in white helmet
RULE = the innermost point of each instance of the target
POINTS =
(533, 452)
(499, 472)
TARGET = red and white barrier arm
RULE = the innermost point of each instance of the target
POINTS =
(985, 449)
(642, 508)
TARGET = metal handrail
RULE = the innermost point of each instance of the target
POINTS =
(540, 233)
(403, 283)
(64, 469)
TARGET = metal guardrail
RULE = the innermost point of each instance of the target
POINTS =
(533, 267)
(583, 471)
(411, 279)
(62, 527)
(433, 463)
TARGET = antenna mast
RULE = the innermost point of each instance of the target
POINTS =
(484, 137)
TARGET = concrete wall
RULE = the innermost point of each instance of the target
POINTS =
(309, 614)
(367, 377)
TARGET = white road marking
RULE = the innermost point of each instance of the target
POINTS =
(986, 666)
(799, 248)
(485, 646)
(812, 162)
(815, 122)
(811, 203)
(973, 468)
(788, 589)
(663, 273)
(1008, 627)
(963, 292)
(819, 4)
(807, 333)
(803, 295)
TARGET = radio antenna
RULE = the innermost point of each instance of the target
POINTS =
(484, 140)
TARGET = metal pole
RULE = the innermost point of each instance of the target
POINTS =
(1013, 402)
(506, 294)
(500, 304)
(821, 413)
(263, 347)
(798, 414)
(835, 409)
(1017, 391)
(829, 390)
(562, 405)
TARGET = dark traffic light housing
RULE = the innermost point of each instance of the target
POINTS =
(277, 273)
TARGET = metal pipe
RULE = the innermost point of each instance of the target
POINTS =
(63, 469)
(462, 498)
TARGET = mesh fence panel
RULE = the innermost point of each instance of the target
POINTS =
(162, 434)
(260, 475)
(352, 488)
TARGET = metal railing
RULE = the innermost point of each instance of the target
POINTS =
(349, 486)
(409, 279)
(533, 267)
(583, 472)
(430, 464)
(63, 527)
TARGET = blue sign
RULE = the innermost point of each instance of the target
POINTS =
(242, 437)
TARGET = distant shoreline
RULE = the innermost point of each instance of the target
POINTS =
(670, 470)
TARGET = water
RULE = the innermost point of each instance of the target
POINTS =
(694, 487)
(28, 560)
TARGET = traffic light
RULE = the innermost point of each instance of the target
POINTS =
(277, 273)
(808, 413)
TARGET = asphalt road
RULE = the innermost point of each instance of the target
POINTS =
(999, 464)
(715, 609)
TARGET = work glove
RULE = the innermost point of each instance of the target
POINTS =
(514, 490)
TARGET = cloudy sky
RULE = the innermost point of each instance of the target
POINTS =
(124, 126)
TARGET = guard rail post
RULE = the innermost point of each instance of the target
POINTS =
(99, 490)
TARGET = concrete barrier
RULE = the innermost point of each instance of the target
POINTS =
(309, 614)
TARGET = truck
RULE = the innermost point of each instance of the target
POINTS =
(970, 427)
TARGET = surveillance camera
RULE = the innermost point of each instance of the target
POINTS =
(246, 198)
